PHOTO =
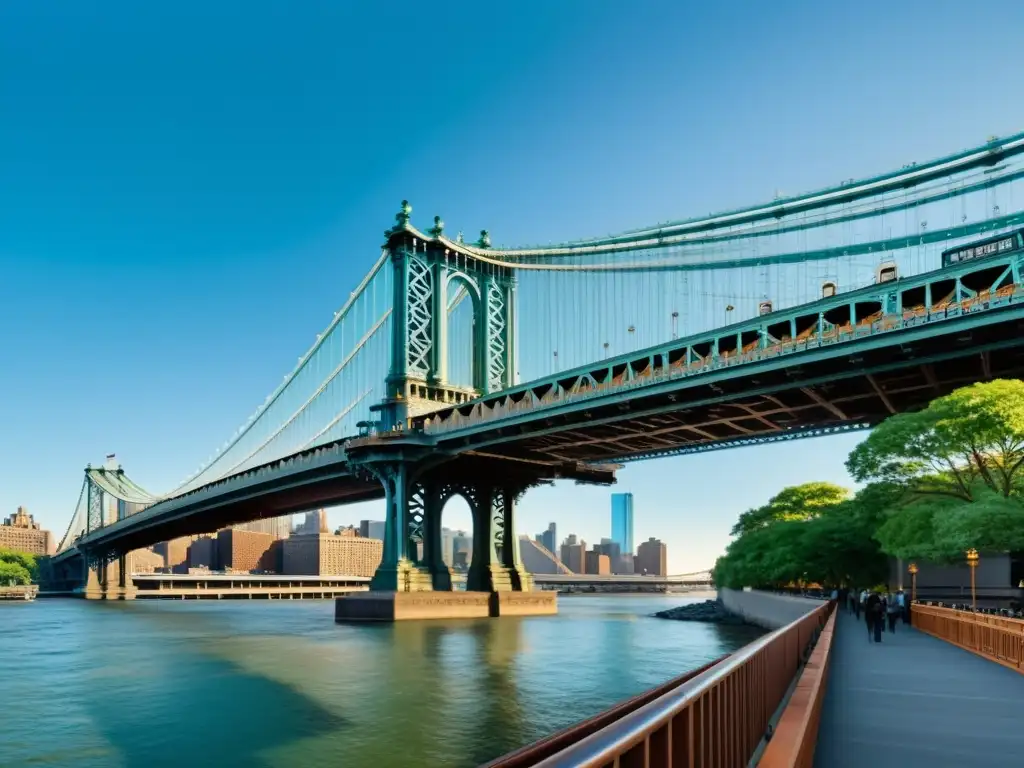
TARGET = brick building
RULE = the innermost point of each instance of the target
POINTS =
(598, 563)
(146, 561)
(175, 553)
(246, 551)
(202, 553)
(652, 557)
(21, 532)
(325, 554)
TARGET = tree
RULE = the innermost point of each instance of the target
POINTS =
(813, 532)
(768, 556)
(23, 559)
(970, 439)
(958, 463)
(840, 545)
(13, 572)
(798, 502)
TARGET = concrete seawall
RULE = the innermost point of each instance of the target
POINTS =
(765, 609)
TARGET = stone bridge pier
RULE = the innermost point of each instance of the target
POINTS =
(412, 580)
(94, 576)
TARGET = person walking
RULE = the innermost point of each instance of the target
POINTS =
(904, 604)
(874, 616)
(893, 609)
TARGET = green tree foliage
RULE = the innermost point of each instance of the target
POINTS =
(959, 465)
(13, 572)
(798, 502)
(968, 441)
(813, 533)
(28, 563)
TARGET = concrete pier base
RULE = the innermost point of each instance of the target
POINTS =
(524, 603)
(120, 593)
(407, 606)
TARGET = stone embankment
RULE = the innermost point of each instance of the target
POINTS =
(709, 611)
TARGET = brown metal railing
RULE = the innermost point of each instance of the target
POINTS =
(716, 718)
(997, 638)
(796, 735)
(533, 753)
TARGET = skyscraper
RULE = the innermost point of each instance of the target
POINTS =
(549, 538)
(622, 521)
(315, 522)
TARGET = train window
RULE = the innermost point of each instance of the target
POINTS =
(764, 308)
(828, 290)
(886, 272)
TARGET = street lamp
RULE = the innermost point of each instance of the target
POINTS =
(913, 581)
(972, 561)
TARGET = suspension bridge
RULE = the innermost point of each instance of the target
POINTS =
(460, 368)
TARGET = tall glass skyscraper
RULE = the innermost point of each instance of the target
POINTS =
(622, 521)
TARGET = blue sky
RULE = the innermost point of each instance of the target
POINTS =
(188, 192)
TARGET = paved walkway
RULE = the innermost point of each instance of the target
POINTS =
(914, 700)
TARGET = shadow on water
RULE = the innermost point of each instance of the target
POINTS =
(198, 708)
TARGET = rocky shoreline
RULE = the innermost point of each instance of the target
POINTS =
(709, 611)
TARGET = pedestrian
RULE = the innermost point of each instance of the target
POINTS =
(893, 609)
(901, 599)
(874, 616)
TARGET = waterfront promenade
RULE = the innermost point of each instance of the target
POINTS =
(916, 700)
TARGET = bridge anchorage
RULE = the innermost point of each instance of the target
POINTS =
(417, 478)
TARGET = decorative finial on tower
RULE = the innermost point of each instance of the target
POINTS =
(402, 217)
(438, 227)
(485, 239)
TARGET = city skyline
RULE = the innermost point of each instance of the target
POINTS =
(121, 184)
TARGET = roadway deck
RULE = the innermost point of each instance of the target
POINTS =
(915, 700)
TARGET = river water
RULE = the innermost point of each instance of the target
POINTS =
(240, 683)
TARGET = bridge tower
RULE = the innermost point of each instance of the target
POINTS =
(418, 480)
(426, 266)
(98, 574)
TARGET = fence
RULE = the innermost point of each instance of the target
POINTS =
(532, 754)
(796, 735)
(997, 638)
(717, 718)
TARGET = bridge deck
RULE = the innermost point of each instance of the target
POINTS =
(915, 700)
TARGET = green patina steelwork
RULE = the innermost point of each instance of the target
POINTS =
(986, 155)
(426, 271)
(873, 313)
